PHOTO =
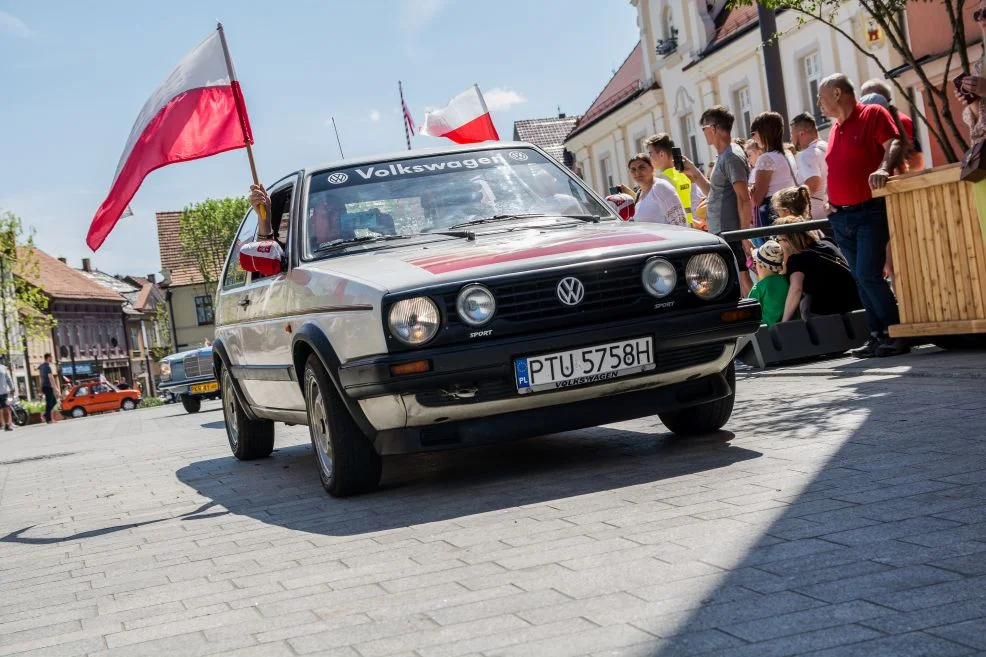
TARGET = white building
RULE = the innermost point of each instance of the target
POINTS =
(694, 54)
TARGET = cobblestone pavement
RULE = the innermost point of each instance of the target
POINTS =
(841, 514)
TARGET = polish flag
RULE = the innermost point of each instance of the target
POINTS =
(198, 111)
(465, 120)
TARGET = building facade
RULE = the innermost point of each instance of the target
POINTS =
(693, 55)
(189, 299)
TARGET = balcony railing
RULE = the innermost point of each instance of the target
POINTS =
(668, 45)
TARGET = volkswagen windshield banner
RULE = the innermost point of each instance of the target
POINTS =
(422, 166)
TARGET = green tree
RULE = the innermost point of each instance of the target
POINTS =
(889, 15)
(162, 343)
(23, 305)
(207, 230)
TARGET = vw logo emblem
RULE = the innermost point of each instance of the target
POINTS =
(517, 155)
(570, 291)
(338, 178)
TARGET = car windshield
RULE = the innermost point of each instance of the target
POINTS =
(366, 205)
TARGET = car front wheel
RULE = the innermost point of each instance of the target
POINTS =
(248, 439)
(704, 418)
(345, 458)
(128, 405)
(191, 404)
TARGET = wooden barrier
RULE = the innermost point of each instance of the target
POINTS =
(938, 252)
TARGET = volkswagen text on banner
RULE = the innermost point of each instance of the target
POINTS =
(465, 120)
(197, 112)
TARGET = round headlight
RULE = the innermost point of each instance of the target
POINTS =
(414, 321)
(659, 277)
(707, 275)
(475, 305)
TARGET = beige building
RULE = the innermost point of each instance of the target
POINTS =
(693, 55)
(189, 300)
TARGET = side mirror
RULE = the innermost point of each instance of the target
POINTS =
(264, 257)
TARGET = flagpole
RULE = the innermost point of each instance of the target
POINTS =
(407, 133)
(338, 143)
(264, 222)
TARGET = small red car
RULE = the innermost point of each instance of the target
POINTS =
(98, 397)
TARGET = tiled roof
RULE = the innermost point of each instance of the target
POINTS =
(549, 134)
(60, 281)
(123, 288)
(174, 258)
(731, 21)
(144, 296)
(621, 88)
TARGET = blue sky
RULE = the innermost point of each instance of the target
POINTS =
(74, 76)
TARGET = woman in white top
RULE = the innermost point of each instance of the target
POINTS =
(658, 200)
(775, 168)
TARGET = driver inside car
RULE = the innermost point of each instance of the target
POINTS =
(324, 224)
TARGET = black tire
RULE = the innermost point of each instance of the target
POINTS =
(128, 405)
(704, 418)
(960, 342)
(20, 416)
(248, 439)
(353, 466)
(191, 404)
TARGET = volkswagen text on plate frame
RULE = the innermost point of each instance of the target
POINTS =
(440, 298)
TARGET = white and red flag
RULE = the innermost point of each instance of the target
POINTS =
(198, 111)
(465, 120)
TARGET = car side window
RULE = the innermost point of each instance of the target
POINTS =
(280, 218)
(82, 392)
(235, 275)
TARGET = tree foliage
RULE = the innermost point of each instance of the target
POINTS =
(889, 15)
(23, 305)
(207, 230)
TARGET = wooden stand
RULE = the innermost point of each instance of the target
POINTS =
(938, 253)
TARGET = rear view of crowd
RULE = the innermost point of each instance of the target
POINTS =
(760, 180)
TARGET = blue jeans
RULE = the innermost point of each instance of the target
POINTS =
(862, 235)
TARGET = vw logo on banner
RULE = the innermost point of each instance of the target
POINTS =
(338, 178)
(570, 291)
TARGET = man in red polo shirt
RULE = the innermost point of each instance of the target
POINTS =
(864, 147)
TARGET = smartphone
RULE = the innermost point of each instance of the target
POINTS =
(679, 164)
(966, 96)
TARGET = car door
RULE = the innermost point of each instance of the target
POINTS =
(102, 398)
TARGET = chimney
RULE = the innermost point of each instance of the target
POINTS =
(152, 278)
(64, 261)
(86, 265)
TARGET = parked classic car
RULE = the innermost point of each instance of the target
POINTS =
(98, 397)
(436, 299)
(188, 376)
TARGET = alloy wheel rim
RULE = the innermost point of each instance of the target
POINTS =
(320, 429)
(229, 411)
(77, 412)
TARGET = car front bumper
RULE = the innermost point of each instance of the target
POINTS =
(184, 388)
(469, 395)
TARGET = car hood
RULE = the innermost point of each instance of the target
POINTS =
(506, 249)
(202, 351)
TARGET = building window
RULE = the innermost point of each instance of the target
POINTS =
(811, 67)
(606, 172)
(638, 143)
(669, 44)
(744, 110)
(691, 137)
(134, 345)
(203, 309)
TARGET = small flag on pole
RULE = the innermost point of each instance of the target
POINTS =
(465, 120)
(408, 118)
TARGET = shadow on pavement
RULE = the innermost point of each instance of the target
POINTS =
(284, 490)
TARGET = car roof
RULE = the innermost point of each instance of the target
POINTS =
(420, 152)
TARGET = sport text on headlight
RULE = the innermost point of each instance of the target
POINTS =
(414, 321)
(659, 277)
(707, 275)
(475, 305)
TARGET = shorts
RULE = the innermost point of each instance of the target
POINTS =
(740, 254)
(3, 401)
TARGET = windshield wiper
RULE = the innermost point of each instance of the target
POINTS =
(506, 217)
(336, 245)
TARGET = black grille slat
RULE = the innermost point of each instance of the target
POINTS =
(196, 366)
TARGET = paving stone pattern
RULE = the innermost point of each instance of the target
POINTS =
(842, 513)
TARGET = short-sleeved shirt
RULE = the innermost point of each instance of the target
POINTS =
(855, 151)
(811, 164)
(771, 292)
(661, 205)
(827, 280)
(44, 372)
(781, 167)
(722, 212)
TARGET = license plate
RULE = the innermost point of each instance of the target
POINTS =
(564, 369)
(205, 387)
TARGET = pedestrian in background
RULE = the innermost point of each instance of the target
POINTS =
(914, 158)
(864, 147)
(659, 148)
(813, 173)
(658, 200)
(7, 392)
(774, 169)
(48, 386)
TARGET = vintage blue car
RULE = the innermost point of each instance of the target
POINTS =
(189, 377)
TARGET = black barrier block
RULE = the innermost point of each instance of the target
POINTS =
(857, 327)
(792, 340)
(828, 334)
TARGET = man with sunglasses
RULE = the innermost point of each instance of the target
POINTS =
(728, 206)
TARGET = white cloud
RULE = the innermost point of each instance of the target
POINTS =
(374, 116)
(15, 26)
(415, 15)
(499, 98)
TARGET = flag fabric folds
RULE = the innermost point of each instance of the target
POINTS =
(198, 111)
(407, 117)
(465, 120)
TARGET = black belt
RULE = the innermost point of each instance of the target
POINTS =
(859, 206)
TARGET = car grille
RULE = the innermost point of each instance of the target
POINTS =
(505, 388)
(196, 366)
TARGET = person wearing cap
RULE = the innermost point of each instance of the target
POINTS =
(878, 92)
(771, 287)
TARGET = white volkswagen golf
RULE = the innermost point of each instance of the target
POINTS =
(437, 299)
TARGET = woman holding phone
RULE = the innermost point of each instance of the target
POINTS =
(971, 90)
